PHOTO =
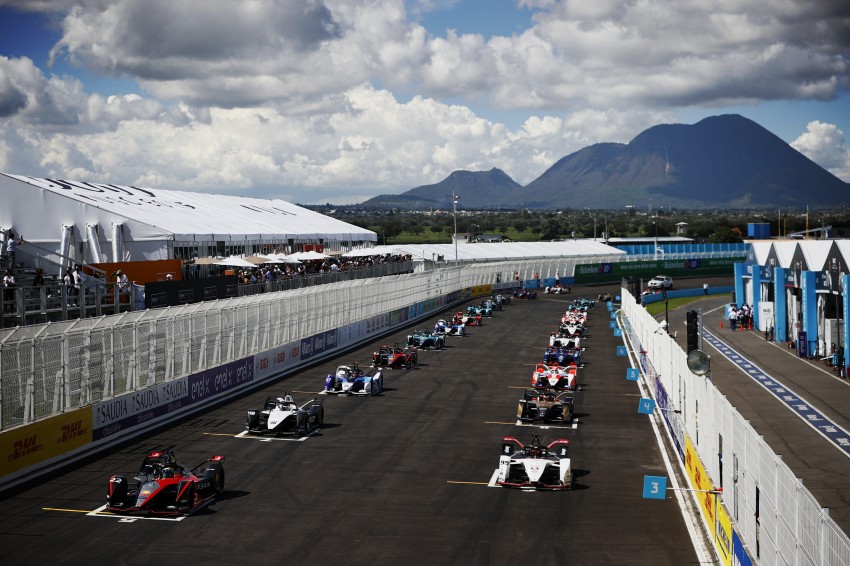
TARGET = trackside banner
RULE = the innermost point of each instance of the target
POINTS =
(134, 409)
(40, 441)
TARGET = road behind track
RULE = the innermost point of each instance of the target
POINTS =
(398, 478)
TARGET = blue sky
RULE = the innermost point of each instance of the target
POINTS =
(340, 100)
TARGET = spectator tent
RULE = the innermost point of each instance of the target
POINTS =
(96, 222)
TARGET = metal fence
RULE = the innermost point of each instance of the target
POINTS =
(774, 514)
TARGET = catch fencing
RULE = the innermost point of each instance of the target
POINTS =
(51, 369)
(769, 510)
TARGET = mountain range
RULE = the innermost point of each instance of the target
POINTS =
(720, 162)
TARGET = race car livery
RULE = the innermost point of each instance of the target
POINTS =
(351, 380)
(446, 328)
(547, 405)
(501, 300)
(555, 377)
(466, 319)
(479, 310)
(164, 486)
(525, 294)
(281, 415)
(557, 340)
(426, 340)
(394, 357)
(535, 466)
(561, 356)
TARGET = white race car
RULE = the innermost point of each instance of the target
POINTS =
(281, 415)
(535, 466)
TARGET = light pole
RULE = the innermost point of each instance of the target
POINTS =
(655, 252)
(455, 198)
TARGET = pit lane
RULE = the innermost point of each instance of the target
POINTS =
(395, 477)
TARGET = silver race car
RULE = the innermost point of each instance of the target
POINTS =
(535, 466)
(282, 415)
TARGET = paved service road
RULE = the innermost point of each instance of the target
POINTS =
(401, 478)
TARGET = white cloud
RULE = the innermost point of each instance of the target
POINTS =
(825, 145)
(354, 97)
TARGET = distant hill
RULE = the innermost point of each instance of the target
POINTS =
(477, 189)
(722, 161)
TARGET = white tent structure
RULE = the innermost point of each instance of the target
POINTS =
(86, 221)
(501, 251)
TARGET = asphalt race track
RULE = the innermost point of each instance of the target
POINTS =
(400, 478)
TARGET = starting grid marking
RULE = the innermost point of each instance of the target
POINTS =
(811, 416)
(102, 512)
(245, 435)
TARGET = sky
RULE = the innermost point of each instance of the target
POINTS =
(316, 101)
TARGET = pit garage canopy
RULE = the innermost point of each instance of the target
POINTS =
(154, 214)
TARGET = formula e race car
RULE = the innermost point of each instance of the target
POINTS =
(491, 304)
(351, 380)
(535, 466)
(479, 310)
(546, 405)
(525, 294)
(426, 340)
(561, 356)
(555, 377)
(501, 300)
(281, 415)
(558, 340)
(584, 303)
(394, 357)
(466, 319)
(446, 328)
(164, 486)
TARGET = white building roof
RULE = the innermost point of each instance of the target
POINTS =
(500, 251)
(157, 214)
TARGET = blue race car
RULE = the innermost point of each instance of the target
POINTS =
(446, 328)
(351, 380)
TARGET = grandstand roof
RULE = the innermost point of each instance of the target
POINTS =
(157, 214)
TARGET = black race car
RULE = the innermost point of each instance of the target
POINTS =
(165, 486)
(547, 405)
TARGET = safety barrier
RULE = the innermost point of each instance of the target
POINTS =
(771, 515)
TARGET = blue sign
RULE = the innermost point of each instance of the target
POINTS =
(610, 307)
(613, 315)
(612, 324)
(621, 351)
(654, 487)
(802, 345)
(618, 332)
(646, 406)
(632, 374)
(833, 432)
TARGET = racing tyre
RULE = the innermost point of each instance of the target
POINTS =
(219, 487)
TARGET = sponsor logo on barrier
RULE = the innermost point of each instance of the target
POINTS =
(25, 446)
(318, 344)
(280, 358)
(263, 363)
(71, 431)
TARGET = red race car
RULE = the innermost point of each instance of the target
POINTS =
(164, 486)
(393, 357)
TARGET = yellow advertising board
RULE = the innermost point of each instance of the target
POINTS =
(482, 290)
(42, 440)
(701, 482)
(724, 536)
